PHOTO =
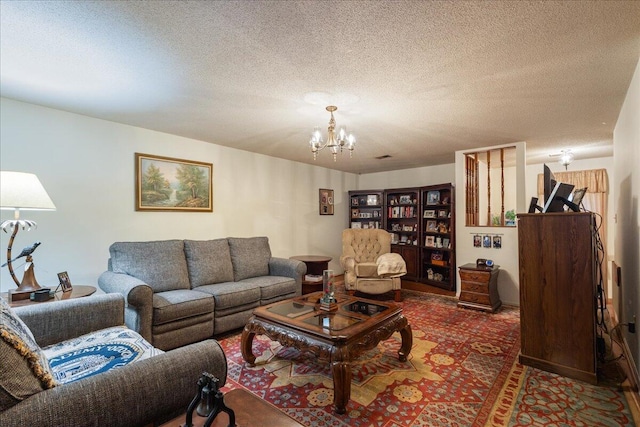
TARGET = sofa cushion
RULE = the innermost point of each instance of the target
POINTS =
(208, 261)
(250, 257)
(232, 295)
(30, 372)
(97, 352)
(273, 286)
(170, 306)
(162, 264)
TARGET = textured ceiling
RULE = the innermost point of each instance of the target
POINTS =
(413, 80)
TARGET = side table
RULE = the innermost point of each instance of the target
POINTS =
(479, 287)
(316, 264)
(78, 291)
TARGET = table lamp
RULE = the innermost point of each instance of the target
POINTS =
(22, 191)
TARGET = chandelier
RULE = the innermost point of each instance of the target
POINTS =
(334, 142)
(565, 158)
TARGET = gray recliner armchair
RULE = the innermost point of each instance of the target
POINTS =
(143, 392)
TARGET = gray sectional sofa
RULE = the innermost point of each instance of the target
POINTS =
(182, 291)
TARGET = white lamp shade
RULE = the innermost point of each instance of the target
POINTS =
(20, 190)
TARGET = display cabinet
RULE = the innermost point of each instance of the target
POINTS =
(437, 236)
(366, 210)
(402, 206)
(421, 221)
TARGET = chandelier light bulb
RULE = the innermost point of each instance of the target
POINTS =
(566, 158)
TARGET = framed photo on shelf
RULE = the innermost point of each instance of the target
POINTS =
(433, 197)
(431, 225)
(405, 199)
(168, 184)
(354, 201)
(326, 201)
(430, 241)
(372, 199)
(430, 213)
(356, 224)
(446, 243)
(442, 214)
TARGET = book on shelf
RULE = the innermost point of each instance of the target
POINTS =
(313, 278)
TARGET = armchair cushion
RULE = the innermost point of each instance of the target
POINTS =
(250, 257)
(96, 353)
(366, 269)
(208, 261)
(162, 264)
(30, 372)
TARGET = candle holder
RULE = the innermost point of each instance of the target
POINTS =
(328, 300)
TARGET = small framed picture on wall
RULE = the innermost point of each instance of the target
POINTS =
(326, 201)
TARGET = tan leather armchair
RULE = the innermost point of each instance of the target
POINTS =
(369, 266)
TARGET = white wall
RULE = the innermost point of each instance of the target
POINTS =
(87, 167)
(626, 189)
(416, 177)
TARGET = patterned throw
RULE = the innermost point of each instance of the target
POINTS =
(462, 371)
(96, 353)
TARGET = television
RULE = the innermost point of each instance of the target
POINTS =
(559, 196)
(549, 183)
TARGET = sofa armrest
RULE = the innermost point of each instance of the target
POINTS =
(287, 268)
(138, 394)
(138, 300)
(57, 321)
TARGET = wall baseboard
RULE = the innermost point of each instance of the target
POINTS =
(627, 364)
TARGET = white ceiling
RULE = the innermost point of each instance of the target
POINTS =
(415, 80)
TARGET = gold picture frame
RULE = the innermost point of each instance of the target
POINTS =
(326, 201)
(173, 185)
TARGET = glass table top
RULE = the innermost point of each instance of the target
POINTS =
(350, 311)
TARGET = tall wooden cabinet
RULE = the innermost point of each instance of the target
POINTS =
(437, 236)
(402, 221)
(558, 293)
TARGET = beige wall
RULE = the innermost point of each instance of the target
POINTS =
(626, 189)
(87, 167)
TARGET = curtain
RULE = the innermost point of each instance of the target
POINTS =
(595, 200)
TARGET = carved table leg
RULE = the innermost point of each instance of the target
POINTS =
(407, 342)
(341, 372)
(246, 343)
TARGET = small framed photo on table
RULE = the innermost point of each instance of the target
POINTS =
(65, 282)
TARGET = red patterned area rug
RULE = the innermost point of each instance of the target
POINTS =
(462, 371)
(531, 397)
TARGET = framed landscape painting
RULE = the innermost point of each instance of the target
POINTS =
(168, 184)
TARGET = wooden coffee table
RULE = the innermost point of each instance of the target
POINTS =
(339, 336)
(250, 411)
